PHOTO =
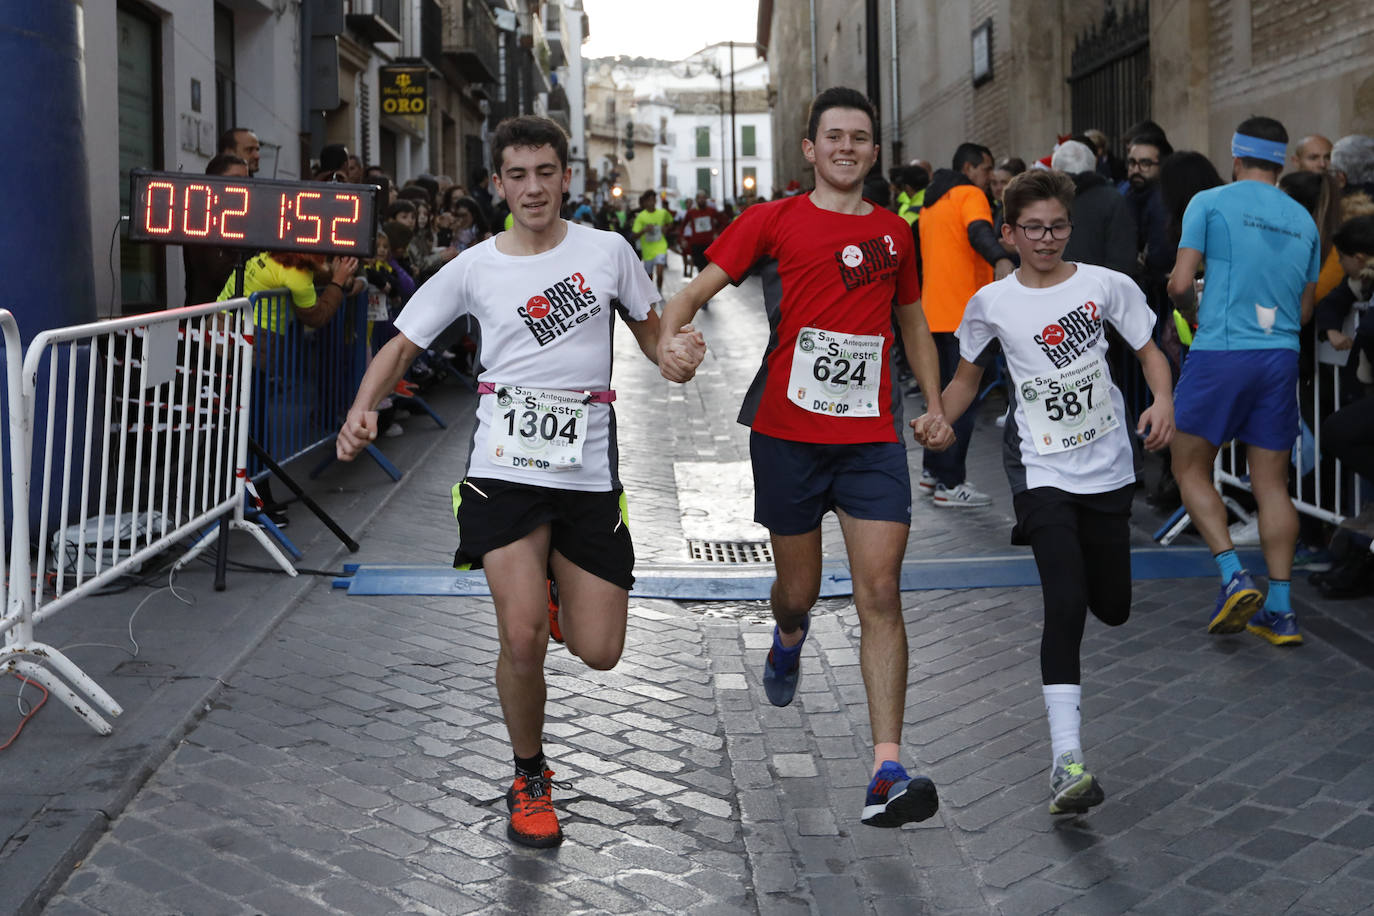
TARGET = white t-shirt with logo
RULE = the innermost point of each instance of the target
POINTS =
(545, 325)
(1070, 429)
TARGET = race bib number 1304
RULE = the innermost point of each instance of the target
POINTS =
(836, 374)
(539, 429)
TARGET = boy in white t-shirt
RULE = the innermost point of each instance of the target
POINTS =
(1068, 454)
(541, 491)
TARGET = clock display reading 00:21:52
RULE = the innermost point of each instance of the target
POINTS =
(186, 209)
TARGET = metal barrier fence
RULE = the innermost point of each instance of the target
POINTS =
(22, 654)
(143, 441)
(305, 378)
(1321, 487)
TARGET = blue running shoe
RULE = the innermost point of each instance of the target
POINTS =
(894, 798)
(1279, 629)
(1236, 601)
(782, 669)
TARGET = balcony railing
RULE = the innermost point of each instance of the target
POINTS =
(375, 20)
(470, 39)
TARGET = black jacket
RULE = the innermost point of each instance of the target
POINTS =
(1104, 233)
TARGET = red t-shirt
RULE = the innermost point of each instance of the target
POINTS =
(834, 273)
(700, 225)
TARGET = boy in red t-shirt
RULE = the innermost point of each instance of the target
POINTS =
(826, 419)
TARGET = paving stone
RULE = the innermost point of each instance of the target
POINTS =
(360, 749)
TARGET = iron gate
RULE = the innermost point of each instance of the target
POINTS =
(1110, 73)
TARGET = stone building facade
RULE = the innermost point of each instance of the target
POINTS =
(1195, 66)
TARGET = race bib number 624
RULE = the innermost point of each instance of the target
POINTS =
(836, 374)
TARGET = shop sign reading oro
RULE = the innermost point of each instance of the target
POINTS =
(404, 90)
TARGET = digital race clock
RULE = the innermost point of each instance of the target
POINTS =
(181, 208)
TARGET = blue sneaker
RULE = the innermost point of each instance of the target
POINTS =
(1279, 629)
(782, 668)
(1236, 601)
(894, 798)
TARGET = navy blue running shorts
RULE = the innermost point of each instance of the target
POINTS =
(796, 483)
(590, 529)
(1247, 395)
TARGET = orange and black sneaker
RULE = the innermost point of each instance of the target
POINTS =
(532, 819)
(555, 631)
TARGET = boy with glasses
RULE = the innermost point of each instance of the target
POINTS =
(1069, 455)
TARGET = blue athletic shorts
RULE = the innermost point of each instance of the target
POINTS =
(1247, 395)
(796, 483)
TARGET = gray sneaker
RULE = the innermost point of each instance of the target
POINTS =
(1073, 789)
(962, 496)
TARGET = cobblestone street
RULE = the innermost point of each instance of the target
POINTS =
(356, 761)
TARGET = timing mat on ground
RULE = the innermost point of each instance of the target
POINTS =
(751, 582)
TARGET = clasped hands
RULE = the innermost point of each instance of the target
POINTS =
(679, 355)
(932, 432)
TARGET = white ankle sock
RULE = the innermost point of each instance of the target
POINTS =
(1061, 705)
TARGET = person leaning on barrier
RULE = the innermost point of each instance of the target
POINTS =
(298, 273)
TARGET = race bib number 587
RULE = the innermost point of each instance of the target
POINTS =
(836, 374)
(1069, 409)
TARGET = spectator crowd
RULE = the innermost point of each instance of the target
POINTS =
(1129, 213)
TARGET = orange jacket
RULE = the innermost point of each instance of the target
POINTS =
(954, 271)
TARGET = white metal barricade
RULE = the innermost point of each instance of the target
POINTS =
(22, 654)
(144, 441)
(1321, 492)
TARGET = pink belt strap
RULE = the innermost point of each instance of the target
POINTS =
(592, 397)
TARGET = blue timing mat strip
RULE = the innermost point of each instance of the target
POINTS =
(1004, 571)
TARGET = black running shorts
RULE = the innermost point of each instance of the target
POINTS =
(590, 529)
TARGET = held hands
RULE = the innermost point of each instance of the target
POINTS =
(359, 431)
(679, 355)
(1158, 418)
(932, 432)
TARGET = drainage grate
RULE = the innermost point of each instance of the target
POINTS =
(731, 551)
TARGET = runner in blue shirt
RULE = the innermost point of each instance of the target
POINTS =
(1240, 379)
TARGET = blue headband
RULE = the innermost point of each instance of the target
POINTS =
(1243, 146)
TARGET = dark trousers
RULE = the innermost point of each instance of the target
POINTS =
(948, 466)
(1082, 547)
(1348, 434)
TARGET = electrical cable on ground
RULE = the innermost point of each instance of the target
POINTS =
(133, 653)
(26, 715)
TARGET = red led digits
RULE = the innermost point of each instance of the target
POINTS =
(182, 209)
(186, 211)
(224, 229)
(300, 211)
(350, 220)
(153, 188)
